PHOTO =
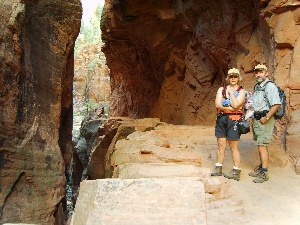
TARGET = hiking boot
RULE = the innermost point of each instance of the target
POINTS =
(261, 177)
(234, 174)
(217, 171)
(255, 172)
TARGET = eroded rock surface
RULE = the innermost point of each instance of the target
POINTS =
(162, 172)
(171, 66)
(141, 201)
(168, 59)
(36, 66)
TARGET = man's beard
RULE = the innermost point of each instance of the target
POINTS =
(260, 80)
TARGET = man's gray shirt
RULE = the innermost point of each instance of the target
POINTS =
(270, 92)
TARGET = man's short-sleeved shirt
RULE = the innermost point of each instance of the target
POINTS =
(270, 92)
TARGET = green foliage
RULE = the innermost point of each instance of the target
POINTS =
(88, 38)
(90, 33)
(99, 10)
(90, 106)
(106, 108)
(93, 63)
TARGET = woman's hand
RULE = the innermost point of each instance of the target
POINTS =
(230, 90)
(237, 102)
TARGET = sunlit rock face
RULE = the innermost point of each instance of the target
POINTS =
(36, 63)
(168, 59)
(91, 86)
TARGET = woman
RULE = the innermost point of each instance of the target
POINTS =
(229, 102)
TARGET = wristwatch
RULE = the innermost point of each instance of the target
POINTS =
(267, 118)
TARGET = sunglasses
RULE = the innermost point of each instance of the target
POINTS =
(233, 76)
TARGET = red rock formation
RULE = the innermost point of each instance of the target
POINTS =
(91, 82)
(36, 54)
(168, 59)
(171, 66)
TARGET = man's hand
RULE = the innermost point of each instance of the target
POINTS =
(263, 120)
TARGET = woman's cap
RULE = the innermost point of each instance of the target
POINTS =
(233, 71)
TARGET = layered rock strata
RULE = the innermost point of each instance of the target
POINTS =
(160, 173)
(155, 173)
(167, 60)
(36, 66)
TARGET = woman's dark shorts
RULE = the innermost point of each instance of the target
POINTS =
(226, 128)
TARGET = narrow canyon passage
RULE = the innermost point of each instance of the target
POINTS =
(166, 60)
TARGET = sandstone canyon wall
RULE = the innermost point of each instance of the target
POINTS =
(36, 63)
(91, 83)
(168, 59)
(91, 87)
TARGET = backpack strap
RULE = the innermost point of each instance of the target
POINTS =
(263, 87)
(225, 88)
(240, 88)
(224, 92)
(269, 81)
(265, 96)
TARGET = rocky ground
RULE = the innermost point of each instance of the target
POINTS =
(275, 202)
(189, 152)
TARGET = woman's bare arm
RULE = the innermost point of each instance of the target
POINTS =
(237, 102)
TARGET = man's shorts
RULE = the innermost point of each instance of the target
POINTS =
(227, 128)
(262, 133)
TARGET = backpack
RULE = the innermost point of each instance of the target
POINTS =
(281, 111)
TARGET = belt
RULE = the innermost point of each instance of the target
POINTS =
(259, 114)
(233, 113)
(264, 111)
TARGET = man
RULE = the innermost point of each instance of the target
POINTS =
(266, 102)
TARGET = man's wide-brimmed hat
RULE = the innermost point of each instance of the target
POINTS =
(260, 67)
